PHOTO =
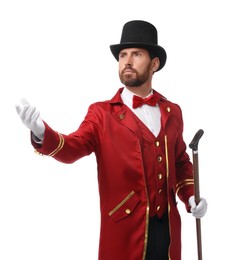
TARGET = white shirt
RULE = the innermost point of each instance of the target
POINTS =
(149, 115)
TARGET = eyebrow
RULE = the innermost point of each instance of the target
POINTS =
(125, 52)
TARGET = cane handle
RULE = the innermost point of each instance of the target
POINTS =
(194, 143)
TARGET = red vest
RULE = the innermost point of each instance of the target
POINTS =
(155, 169)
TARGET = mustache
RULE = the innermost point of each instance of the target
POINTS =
(128, 67)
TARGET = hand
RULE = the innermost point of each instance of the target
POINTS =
(198, 211)
(30, 117)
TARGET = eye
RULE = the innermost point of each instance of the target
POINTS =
(137, 54)
(121, 55)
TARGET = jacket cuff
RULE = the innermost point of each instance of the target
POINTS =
(51, 144)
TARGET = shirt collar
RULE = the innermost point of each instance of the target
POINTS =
(127, 96)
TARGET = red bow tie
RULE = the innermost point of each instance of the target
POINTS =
(151, 100)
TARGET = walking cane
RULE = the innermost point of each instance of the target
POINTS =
(194, 146)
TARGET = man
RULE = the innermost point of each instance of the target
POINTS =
(140, 152)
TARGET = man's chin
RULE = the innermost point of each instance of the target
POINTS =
(132, 86)
(131, 83)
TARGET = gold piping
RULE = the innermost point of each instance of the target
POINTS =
(183, 185)
(146, 231)
(147, 220)
(182, 182)
(121, 203)
(167, 174)
(60, 145)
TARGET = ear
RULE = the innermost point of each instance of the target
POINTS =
(155, 64)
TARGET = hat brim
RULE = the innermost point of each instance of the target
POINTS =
(155, 49)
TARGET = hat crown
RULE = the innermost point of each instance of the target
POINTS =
(139, 32)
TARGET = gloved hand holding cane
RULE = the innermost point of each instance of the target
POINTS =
(198, 211)
(30, 117)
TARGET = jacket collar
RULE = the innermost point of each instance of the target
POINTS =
(124, 115)
(118, 100)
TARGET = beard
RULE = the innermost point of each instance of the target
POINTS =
(134, 79)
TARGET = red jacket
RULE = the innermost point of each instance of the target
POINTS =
(109, 130)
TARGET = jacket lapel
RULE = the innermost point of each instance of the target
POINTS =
(125, 116)
(165, 114)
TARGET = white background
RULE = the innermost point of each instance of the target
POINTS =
(56, 55)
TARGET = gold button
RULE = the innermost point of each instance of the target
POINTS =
(159, 158)
(168, 109)
(121, 116)
(158, 208)
(38, 153)
(127, 211)
(159, 191)
(160, 176)
(157, 143)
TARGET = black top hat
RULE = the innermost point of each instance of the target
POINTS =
(140, 34)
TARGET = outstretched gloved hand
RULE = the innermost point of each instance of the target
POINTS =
(30, 117)
(198, 211)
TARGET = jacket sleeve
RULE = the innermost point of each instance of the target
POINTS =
(71, 147)
(184, 168)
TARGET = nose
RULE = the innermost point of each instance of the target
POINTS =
(128, 65)
(128, 61)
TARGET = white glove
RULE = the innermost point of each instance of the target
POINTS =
(30, 117)
(198, 211)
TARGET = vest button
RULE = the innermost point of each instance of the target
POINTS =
(159, 191)
(159, 158)
(158, 208)
(127, 211)
(160, 176)
(157, 143)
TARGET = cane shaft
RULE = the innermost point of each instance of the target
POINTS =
(194, 146)
(197, 200)
(196, 176)
(198, 234)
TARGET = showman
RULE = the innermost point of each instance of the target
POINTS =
(137, 138)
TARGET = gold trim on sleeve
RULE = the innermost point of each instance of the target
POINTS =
(60, 145)
(184, 183)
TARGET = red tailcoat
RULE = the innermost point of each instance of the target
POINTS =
(110, 131)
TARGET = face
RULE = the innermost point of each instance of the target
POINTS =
(136, 67)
